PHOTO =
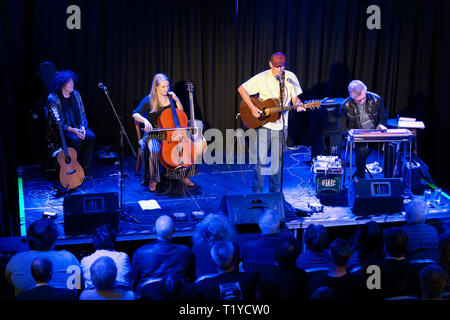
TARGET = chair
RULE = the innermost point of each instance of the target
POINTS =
(139, 137)
(403, 298)
(445, 295)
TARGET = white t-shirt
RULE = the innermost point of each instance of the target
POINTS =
(268, 87)
(120, 258)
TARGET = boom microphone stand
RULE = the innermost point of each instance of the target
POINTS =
(122, 133)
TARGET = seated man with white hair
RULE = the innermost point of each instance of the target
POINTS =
(423, 238)
(361, 110)
(261, 250)
(151, 262)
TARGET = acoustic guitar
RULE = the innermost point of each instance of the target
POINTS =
(199, 141)
(271, 111)
(71, 174)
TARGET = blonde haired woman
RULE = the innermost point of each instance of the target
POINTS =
(148, 112)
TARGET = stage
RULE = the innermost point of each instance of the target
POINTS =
(213, 182)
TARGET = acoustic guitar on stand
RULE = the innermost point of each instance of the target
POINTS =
(71, 174)
(271, 111)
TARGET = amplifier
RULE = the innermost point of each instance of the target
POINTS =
(83, 213)
(245, 209)
(414, 169)
(327, 174)
(376, 196)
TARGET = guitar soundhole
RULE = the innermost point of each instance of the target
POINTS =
(68, 160)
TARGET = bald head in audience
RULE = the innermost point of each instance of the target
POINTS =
(416, 211)
(164, 227)
(269, 222)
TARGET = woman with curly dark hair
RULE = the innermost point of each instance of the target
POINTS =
(70, 107)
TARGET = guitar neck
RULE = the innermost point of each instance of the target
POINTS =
(191, 107)
(63, 140)
(280, 109)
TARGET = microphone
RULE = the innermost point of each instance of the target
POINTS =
(102, 86)
(279, 79)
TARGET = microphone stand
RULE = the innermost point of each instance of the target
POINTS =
(122, 134)
(283, 142)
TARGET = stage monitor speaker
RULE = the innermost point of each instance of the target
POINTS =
(246, 209)
(376, 196)
(83, 213)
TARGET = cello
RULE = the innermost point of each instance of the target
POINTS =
(177, 148)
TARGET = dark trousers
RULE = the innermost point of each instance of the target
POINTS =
(361, 150)
(361, 153)
(84, 148)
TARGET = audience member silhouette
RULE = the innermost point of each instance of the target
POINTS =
(171, 287)
(343, 285)
(103, 273)
(432, 282)
(291, 281)
(444, 256)
(103, 242)
(41, 236)
(261, 251)
(41, 270)
(228, 284)
(151, 262)
(369, 247)
(422, 238)
(213, 228)
(316, 254)
(399, 277)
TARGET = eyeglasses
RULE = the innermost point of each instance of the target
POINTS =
(359, 101)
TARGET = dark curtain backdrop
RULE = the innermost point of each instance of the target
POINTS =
(219, 45)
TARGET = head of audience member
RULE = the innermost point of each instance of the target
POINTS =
(370, 242)
(42, 235)
(222, 253)
(316, 238)
(104, 238)
(395, 242)
(268, 290)
(173, 285)
(269, 222)
(213, 228)
(340, 252)
(41, 270)
(432, 281)
(444, 250)
(103, 273)
(164, 227)
(287, 251)
(416, 211)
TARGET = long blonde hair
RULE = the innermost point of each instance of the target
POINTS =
(159, 77)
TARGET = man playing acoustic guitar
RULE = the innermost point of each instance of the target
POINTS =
(276, 83)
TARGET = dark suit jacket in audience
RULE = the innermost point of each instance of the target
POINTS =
(46, 292)
(292, 282)
(226, 286)
(399, 278)
(348, 287)
(259, 251)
